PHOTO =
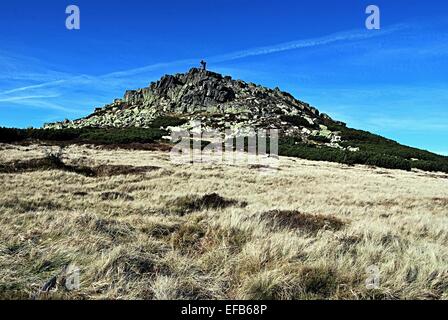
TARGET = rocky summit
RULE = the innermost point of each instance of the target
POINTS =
(217, 101)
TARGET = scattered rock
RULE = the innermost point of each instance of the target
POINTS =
(218, 102)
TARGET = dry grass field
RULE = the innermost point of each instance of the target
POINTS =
(140, 227)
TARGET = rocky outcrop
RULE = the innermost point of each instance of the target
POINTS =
(217, 101)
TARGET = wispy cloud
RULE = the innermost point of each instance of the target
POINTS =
(16, 67)
(45, 104)
(386, 107)
(40, 95)
(32, 87)
(21, 98)
(353, 35)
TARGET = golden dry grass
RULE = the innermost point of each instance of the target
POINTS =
(152, 235)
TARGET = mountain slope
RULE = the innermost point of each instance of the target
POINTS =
(218, 101)
(240, 108)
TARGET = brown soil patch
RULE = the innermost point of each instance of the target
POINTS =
(53, 163)
(194, 203)
(306, 222)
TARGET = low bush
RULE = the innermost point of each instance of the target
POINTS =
(12, 135)
(122, 136)
(297, 121)
(374, 149)
(319, 153)
(320, 139)
(167, 121)
(86, 135)
(432, 166)
(94, 135)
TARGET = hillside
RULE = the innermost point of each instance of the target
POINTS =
(217, 101)
(100, 197)
(137, 226)
(182, 101)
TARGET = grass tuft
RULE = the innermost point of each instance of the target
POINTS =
(301, 221)
(108, 196)
(192, 203)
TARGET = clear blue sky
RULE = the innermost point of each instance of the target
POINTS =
(393, 81)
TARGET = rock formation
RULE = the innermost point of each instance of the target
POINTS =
(217, 101)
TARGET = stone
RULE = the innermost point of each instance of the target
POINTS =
(210, 97)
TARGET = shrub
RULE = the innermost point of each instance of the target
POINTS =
(297, 121)
(389, 162)
(319, 153)
(374, 149)
(53, 135)
(166, 121)
(321, 139)
(11, 135)
(121, 136)
(88, 135)
(432, 166)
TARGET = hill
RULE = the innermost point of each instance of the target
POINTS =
(178, 102)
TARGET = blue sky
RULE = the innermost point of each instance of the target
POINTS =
(392, 81)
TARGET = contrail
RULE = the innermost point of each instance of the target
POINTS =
(37, 86)
(287, 46)
(20, 98)
(307, 43)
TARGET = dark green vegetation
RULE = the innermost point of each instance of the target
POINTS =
(167, 121)
(374, 150)
(297, 121)
(323, 153)
(93, 135)
(88, 135)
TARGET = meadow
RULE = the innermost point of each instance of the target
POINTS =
(138, 226)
